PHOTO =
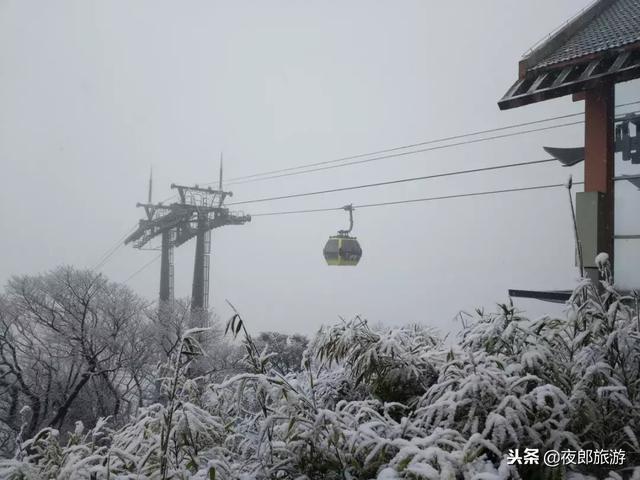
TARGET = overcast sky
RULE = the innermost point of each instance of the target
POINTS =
(92, 94)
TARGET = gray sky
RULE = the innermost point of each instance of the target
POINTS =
(94, 93)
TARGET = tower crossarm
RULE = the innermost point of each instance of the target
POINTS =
(230, 218)
(201, 196)
(160, 218)
(215, 218)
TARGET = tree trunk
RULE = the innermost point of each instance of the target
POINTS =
(64, 409)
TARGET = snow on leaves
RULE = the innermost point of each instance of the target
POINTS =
(386, 404)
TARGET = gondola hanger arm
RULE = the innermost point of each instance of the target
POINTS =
(348, 208)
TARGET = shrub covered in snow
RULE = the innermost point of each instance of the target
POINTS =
(387, 404)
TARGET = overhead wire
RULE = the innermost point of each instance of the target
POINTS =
(411, 145)
(105, 257)
(144, 267)
(416, 200)
(238, 180)
(263, 175)
(441, 197)
(396, 181)
(411, 152)
(112, 250)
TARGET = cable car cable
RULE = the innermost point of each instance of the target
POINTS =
(416, 200)
(411, 145)
(411, 152)
(111, 251)
(392, 182)
(144, 267)
(443, 197)
(453, 137)
(408, 146)
(236, 180)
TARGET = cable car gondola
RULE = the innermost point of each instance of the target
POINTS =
(342, 249)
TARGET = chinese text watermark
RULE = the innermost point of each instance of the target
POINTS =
(554, 458)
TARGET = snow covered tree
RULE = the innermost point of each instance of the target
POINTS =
(70, 343)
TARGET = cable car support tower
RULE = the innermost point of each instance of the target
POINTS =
(197, 211)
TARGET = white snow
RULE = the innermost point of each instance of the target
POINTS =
(602, 259)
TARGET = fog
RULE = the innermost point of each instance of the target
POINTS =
(94, 94)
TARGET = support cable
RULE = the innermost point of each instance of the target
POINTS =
(416, 200)
(404, 154)
(442, 197)
(144, 267)
(237, 180)
(393, 182)
(111, 251)
(270, 174)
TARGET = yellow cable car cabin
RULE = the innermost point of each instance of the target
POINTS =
(342, 250)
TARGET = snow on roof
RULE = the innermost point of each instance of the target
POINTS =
(613, 24)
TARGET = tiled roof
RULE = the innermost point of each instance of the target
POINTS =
(616, 26)
(600, 45)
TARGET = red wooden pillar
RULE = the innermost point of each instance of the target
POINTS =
(599, 160)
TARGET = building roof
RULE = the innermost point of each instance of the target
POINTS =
(617, 25)
(602, 43)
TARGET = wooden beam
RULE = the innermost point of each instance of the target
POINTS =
(598, 139)
(588, 80)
